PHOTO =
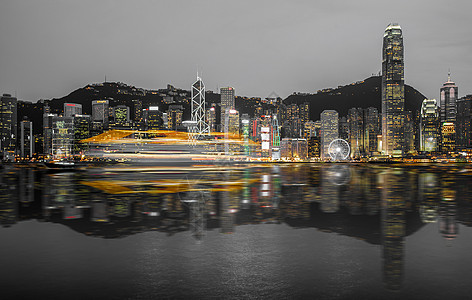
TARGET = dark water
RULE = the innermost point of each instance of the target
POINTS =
(328, 231)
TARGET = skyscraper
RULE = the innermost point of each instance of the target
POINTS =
(429, 126)
(227, 102)
(464, 122)
(329, 130)
(8, 125)
(71, 109)
(356, 132)
(26, 139)
(100, 112)
(447, 100)
(371, 129)
(393, 91)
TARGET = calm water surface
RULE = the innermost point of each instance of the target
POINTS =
(332, 231)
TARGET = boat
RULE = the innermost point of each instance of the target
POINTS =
(61, 165)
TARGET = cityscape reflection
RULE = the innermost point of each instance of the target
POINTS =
(378, 204)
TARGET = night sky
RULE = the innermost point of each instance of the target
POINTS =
(50, 48)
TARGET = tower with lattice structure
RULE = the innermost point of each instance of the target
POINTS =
(198, 107)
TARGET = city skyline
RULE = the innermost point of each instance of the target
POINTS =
(55, 52)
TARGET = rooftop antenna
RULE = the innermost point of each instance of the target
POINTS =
(449, 75)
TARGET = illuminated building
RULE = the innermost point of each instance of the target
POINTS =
(293, 149)
(429, 126)
(71, 109)
(174, 117)
(309, 129)
(343, 129)
(356, 133)
(448, 135)
(8, 125)
(227, 101)
(393, 93)
(329, 130)
(314, 147)
(464, 122)
(232, 121)
(304, 112)
(447, 100)
(26, 139)
(62, 136)
(153, 118)
(121, 114)
(198, 107)
(211, 117)
(138, 110)
(82, 125)
(371, 130)
(47, 132)
(100, 113)
(245, 130)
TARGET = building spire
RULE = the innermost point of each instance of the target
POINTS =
(449, 75)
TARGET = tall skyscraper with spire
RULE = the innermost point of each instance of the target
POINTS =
(393, 91)
(447, 100)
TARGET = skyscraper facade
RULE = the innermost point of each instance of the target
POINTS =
(447, 100)
(26, 139)
(100, 112)
(227, 102)
(429, 126)
(371, 129)
(8, 124)
(71, 109)
(464, 122)
(393, 91)
(329, 130)
(356, 132)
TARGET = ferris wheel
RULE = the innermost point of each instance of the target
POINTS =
(339, 149)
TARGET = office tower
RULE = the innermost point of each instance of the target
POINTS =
(138, 110)
(211, 117)
(153, 118)
(447, 100)
(82, 124)
(343, 129)
(313, 147)
(47, 132)
(71, 109)
(329, 130)
(356, 131)
(227, 101)
(448, 135)
(174, 117)
(232, 121)
(26, 139)
(198, 106)
(371, 130)
(393, 93)
(308, 129)
(100, 113)
(62, 136)
(464, 122)
(304, 112)
(429, 126)
(8, 125)
(121, 115)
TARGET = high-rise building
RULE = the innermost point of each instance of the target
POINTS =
(8, 125)
(408, 133)
(26, 139)
(100, 112)
(329, 130)
(174, 117)
(371, 130)
(227, 101)
(121, 115)
(62, 136)
(47, 132)
(464, 122)
(447, 100)
(343, 129)
(393, 93)
(138, 110)
(153, 118)
(211, 117)
(82, 124)
(304, 112)
(356, 131)
(448, 136)
(232, 121)
(71, 109)
(429, 126)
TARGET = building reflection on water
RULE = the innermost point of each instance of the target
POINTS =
(378, 204)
